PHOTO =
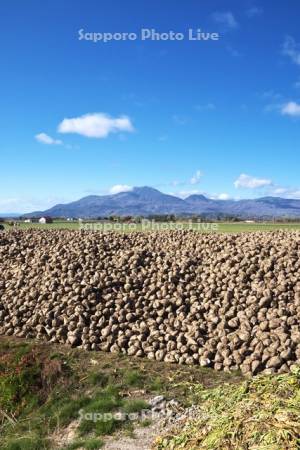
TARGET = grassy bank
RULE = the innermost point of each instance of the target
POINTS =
(45, 388)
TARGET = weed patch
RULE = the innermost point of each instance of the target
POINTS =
(260, 413)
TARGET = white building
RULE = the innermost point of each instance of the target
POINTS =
(42, 220)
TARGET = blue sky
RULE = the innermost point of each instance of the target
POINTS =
(220, 117)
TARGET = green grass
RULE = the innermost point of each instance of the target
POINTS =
(133, 378)
(98, 378)
(221, 227)
(43, 388)
(156, 384)
(62, 413)
(135, 406)
(95, 415)
(246, 227)
(93, 444)
(23, 396)
(56, 225)
(88, 444)
(29, 442)
(146, 423)
(19, 375)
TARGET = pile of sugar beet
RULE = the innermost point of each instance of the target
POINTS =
(226, 301)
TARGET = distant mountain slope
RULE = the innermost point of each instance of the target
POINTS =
(145, 201)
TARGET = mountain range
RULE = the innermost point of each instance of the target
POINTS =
(145, 201)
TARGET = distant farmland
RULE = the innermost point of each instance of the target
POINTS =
(218, 227)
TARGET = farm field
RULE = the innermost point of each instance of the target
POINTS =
(215, 227)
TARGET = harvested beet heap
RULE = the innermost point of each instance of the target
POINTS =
(227, 301)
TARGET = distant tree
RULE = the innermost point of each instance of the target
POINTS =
(170, 218)
(126, 219)
(113, 218)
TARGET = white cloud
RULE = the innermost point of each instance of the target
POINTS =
(226, 19)
(196, 178)
(186, 193)
(279, 104)
(291, 109)
(292, 49)
(279, 191)
(294, 194)
(246, 181)
(223, 196)
(46, 139)
(254, 11)
(120, 188)
(96, 125)
(291, 193)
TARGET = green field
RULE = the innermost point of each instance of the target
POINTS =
(217, 227)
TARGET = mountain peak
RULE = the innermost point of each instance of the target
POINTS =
(145, 201)
(148, 193)
(145, 189)
(197, 198)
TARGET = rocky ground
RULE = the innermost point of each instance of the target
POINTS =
(223, 301)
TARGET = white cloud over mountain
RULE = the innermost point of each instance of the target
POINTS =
(249, 182)
(120, 188)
